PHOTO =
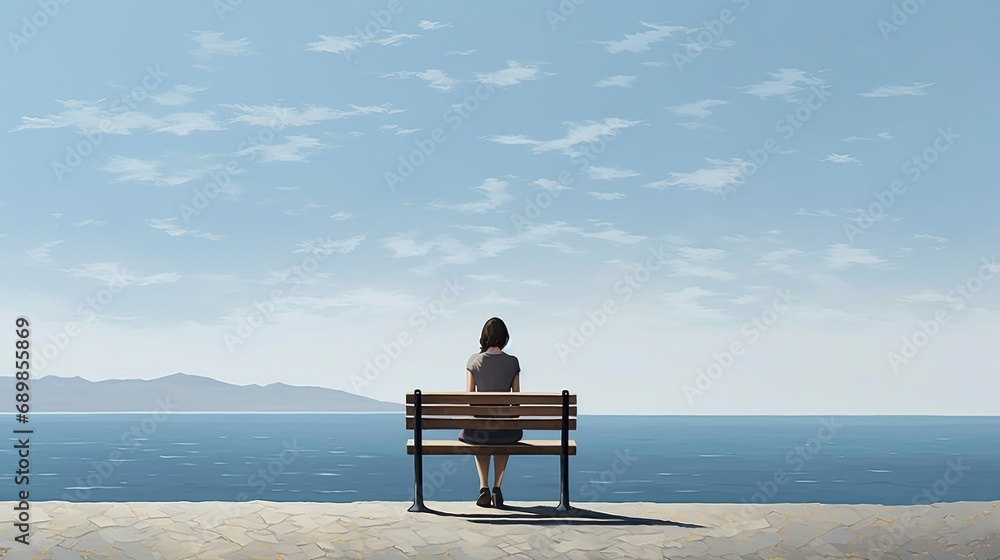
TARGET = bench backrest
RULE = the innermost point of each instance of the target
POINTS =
(490, 410)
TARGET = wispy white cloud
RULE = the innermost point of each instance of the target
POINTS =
(696, 47)
(926, 297)
(638, 42)
(91, 117)
(879, 136)
(778, 259)
(719, 176)
(610, 173)
(41, 253)
(514, 74)
(301, 210)
(446, 249)
(897, 91)
(588, 132)
(183, 124)
(338, 45)
(347, 44)
(329, 246)
(171, 228)
(785, 82)
(487, 230)
(296, 149)
(91, 222)
(460, 53)
(342, 215)
(607, 195)
(616, 81)
(276, 116)
(435, 79)
(743, 300)
(697, 109)
(616, 235)
(431, 25)
(701, 254)
(841, 158)
(819, 213)
(862, 215)
(146, 171)
(685, 304)
(551, 186)
(113, 273)
(177, 95)
(359, 302)
(403, 245)
(211, 44)
(684, 268)
(936, 238)
(495, 196)
(842, 255)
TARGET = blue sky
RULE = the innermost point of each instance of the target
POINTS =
(705, 175)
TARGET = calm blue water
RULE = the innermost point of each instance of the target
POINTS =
(352, 457)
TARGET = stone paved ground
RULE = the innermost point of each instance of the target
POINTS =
(308, 530)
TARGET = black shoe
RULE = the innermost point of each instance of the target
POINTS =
(484, 498)
(497, 497)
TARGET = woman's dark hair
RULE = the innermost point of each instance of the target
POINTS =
(494, 334)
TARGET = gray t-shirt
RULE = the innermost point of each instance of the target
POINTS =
(493, 372)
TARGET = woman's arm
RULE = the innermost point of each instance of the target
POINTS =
(515, 387)
(470, 382)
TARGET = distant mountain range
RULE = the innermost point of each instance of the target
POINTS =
(185, 393)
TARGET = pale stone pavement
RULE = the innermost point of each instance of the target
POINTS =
(458, 530)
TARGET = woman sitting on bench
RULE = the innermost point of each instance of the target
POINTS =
(492, 370)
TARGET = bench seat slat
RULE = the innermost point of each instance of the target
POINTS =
(489, 423)
(493, 398)
(523, 447)
(469, 410)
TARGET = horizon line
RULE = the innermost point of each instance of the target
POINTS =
(579, 415)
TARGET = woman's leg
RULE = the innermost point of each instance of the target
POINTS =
(483, 467)
(499, 466)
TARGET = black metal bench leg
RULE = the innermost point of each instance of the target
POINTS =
(418, 458)
(564, 506)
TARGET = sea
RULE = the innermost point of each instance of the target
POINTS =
(892, 460)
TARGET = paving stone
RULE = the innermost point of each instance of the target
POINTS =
(186, 530)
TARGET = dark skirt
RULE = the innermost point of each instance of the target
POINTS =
(490, 437)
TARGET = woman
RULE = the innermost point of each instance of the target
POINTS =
(492, 370)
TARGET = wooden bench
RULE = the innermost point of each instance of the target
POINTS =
(490, 410)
